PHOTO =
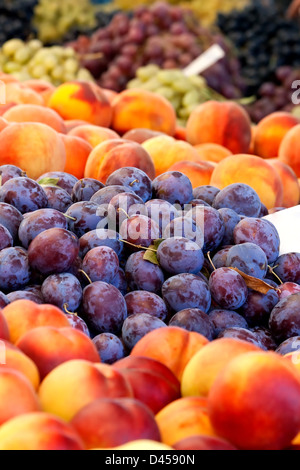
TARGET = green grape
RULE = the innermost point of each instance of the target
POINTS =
(71, 66)
(68, 77)
(145, 73)
(84, 75)
(10, 47)
(68, 52)
(152, 85)
(11, 67)
(176, 103)
(50, 62)
(168, 77)
(198, 81)
(35, 45)
(23, 55)
(38, 71)
(135, 83)
(57, 73)
(166, 92)
(191, 98)
(183, 85)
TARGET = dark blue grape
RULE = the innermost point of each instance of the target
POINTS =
(63, 290)
(180, 255)
(110, 348)
(85, 188)
(143, 275)
(239, 197)
(173, 187)
(14, 269)
(101, 237)
(228, 288)
(132, 178)
(186, 291)
(101, 264)
(24, 194)
(193, 319)
(137, 326)
(248, 258)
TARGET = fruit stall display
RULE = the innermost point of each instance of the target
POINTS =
(150, 293)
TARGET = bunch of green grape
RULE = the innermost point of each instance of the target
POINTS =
(184, 93)
(53, 19)
(30, 60)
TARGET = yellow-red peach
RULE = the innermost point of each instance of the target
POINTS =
(251, 170)
(122, 420)
(255, 400)
(3, 123)
(82, 100)
(77, 153)
(4, 331)
(184, 418)
(33, 113)
(172, 346)
(73, 123)
(141, 135)
(289, 149)
(24, 315)
(142, 444)
(15, 359)
(76, 383)
(17, 395)
(165, 151)
(114, 154)
(151, 381)
(291, 188)
(201, 442)
(141, 108)
(204, 367)
(212, 152)
(270, 132)
(34, 147)
(198, 173)
(224, 123)
(94, 135)
(39, 431)
(18, 93)
(48, 347)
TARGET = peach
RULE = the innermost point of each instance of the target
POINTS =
(151, 381)
(77, 153)
(17, 395)
(291, 188)
(24, 315)
(270, 132)
(142, 444)
(82, 100)
(49, 347)
(18, 93)
(73, 123)
(143, 109)
(34, 147)
(203, 443)
(15, 359)
(199, 173)
(122, 420)
(171, 346)
(110, 94)
(204, 367)
(76, 383)
(180, 133)
(4, 331)
(33, 113)
(165, 151)
(251, 147)
(289, 149)
(251, 170)
(184, 418)
(224, 123)
(212, 152)
(254, 402)
(94, 135)
(141, 135)
(6, 107)
(39, 431)
(3, 123)
(40, 86)
(114, 154)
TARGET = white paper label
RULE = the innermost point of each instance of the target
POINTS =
(204, 61)
(287, 223)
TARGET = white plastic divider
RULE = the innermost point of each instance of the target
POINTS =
(287, 223)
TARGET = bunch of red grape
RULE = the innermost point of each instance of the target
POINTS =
(165, 35)
(175, 256)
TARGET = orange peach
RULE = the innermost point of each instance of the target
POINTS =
(17, 395)
(251, 170)
(3, 123)
(270, 132)
(224, 123)
(251, 147)
(204, 367)
(172, 346)
(198, 173)
(82, 100)
(110, 94)
(122, 420)
(48, 347)
(165, 151)
(18, 93)
(291, 188)
(254, 402)
(151, 381)
(33, 113)
(184, 418)
(4, 331)
(141, 135)
(201, 442)
(289, 149)
(76, 383)
(94, 135)
(15, 359)
(40, 86)
(39, 431)
(6, 107)
(212, 152)
(24, 315)
(73, 123)
(34, 147)
(140, 108)
(180, 133)
(77, 153)
(114, 154)
(142, 444)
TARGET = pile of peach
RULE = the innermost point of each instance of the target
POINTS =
(87, 131)
(176, 390)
